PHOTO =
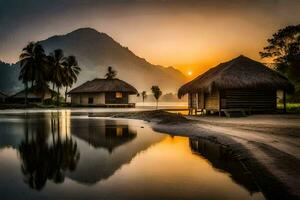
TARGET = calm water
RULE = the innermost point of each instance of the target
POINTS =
(63, 156)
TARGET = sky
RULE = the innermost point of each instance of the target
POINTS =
(190, 35)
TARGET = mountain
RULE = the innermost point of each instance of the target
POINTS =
(96, 51)
(9, 74)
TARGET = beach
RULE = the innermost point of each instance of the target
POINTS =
(268, 145)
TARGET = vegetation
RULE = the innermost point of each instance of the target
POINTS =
(33, 66)
(156, 93)
(144, 96)
(111, 73)
(71, 71)
(40, 70)
(56, 63)
(284, 49)
(291, 107)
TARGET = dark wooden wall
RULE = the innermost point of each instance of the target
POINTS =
(253, 99)
(110, 98)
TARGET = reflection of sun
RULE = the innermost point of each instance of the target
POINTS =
(190, 73)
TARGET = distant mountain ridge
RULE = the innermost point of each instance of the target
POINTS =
(96, 51)
(9, 74)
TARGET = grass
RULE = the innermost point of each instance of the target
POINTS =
(291, 107)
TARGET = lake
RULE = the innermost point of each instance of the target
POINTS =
(66, 155)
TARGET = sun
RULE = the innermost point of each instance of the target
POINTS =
(190, 73)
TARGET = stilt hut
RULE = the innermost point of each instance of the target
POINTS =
(239, 85)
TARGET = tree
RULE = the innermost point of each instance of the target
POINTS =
(57, 61)
(144, 96)
(111, 73)
(284, 49)
(156, 93)
(71, 71)
(33, 65)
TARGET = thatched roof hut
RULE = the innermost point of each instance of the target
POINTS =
(2, 95)
(100, 92)
(240, 75)
(104, 85)
(33, 95)
(241, 72)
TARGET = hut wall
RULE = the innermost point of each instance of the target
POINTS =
(2, 98)
(248, 99)
(83, 99)
(193, 100)
(211, 100)
(110, 98)
(201, 100)
(47, 95)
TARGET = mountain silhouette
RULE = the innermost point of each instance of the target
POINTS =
(96, 51)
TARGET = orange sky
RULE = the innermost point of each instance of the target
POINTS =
(189, 35)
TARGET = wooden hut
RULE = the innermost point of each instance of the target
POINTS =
(33, 95)
(239, 85)
(2, 97)
(103, 93)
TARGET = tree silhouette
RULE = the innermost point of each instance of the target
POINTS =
(156, 93)
(33, 65)
(284, 49)
(57, 61)
(144, 96)
(71, 71)
(111, 73)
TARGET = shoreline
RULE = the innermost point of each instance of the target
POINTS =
(266, 145)
(275, 171)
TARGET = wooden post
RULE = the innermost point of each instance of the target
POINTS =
(189, 103)
(284, 101)
(196, 103)
(219, 104)
(204, 109)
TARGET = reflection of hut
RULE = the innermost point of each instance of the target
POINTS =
(108, 136)
(33, 95)
(2, 97)
(221, 158)
(241, 84)
(103, 92)
(96, 138)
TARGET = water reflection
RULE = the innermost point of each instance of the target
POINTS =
(222, 158)
(60, 156)
(42, 160)
(114, 143)
(105, 134)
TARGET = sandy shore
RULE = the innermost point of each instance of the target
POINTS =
(269, 145)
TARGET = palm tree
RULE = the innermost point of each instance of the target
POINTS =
(144, 96)
(56, 61)
(33, 66)
(71, 72)
(111, 73)
(156, 93)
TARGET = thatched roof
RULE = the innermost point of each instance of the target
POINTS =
(241, 72)
(104, 85)
(32, 93)
(2, 95)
